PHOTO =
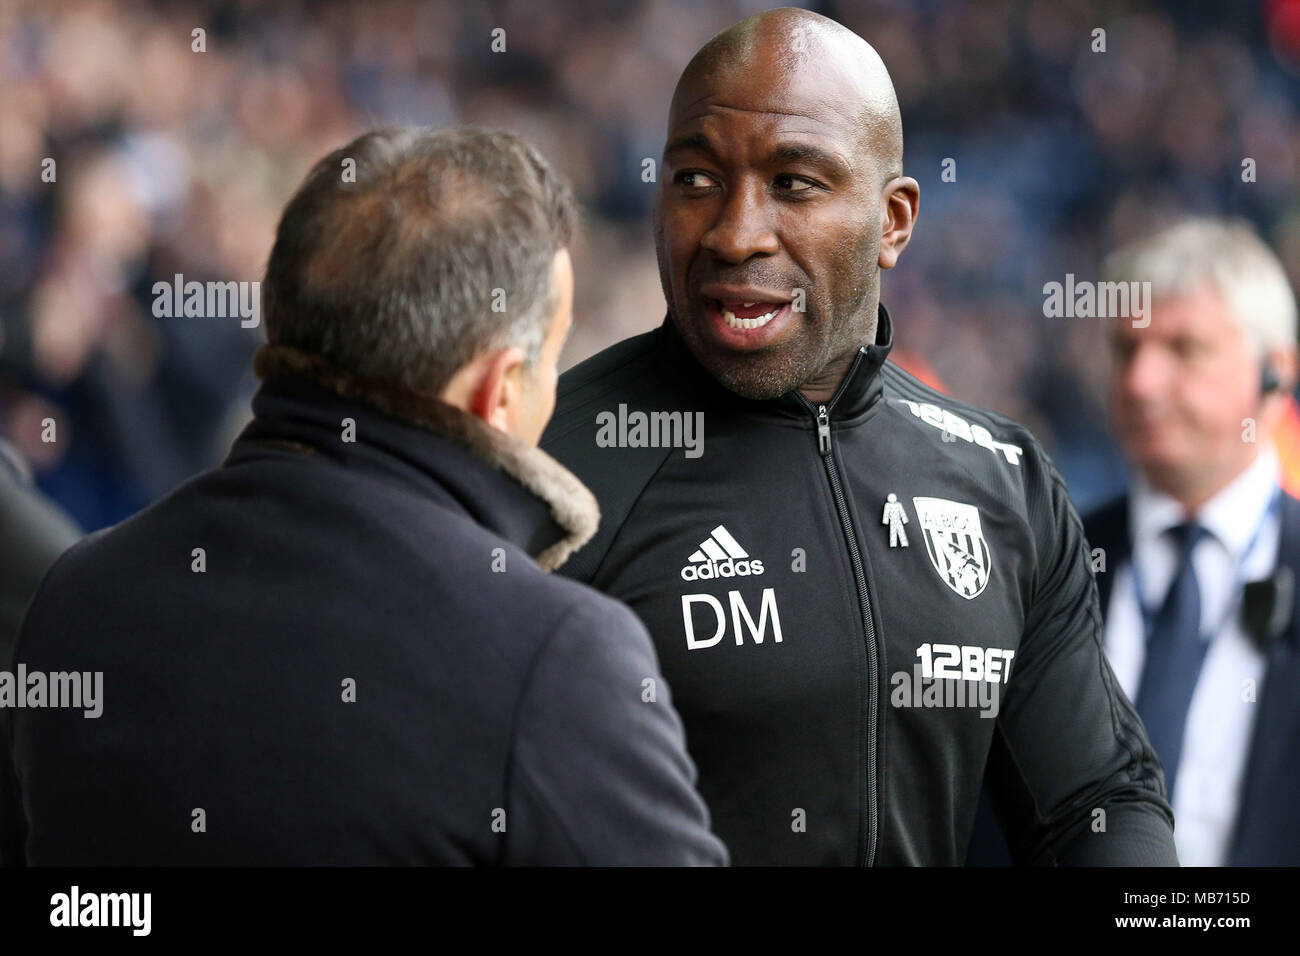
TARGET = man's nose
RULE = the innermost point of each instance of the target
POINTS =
(742, 228)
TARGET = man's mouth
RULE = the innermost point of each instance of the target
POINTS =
(742, 318)
(748, 315)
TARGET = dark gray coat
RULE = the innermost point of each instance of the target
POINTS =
(352, 678)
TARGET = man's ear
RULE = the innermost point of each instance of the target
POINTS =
(490, 387)
(1285, 363)
(901, 199)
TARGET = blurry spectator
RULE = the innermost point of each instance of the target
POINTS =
(1022, 132)
(33, 532)
(1198, 562)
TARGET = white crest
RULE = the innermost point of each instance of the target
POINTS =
(955, 543)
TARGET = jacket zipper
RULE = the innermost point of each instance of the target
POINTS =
(822, 414)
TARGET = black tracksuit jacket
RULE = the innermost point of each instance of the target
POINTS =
(802, 648)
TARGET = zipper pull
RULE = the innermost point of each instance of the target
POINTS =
(823, 430)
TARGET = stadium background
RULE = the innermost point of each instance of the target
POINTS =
(172, 161)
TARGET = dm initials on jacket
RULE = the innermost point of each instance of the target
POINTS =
(838, 596)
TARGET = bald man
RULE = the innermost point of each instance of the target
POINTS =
(862, 592)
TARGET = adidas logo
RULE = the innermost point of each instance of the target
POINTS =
(720, 556)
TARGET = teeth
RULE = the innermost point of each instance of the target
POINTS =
(747, 304)
(749, 324)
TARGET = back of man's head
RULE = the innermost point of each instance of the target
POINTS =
(409, 252)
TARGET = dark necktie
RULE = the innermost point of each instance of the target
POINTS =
(1174, 655)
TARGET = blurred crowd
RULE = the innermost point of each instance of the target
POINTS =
(129, 155)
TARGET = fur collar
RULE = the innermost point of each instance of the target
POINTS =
(572, 505)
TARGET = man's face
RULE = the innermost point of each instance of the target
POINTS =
(768, 194)
(1181, 389)
(537, 392)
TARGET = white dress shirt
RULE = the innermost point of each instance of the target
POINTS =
(1221, 717)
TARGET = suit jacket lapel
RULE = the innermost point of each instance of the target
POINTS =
(1271, 774)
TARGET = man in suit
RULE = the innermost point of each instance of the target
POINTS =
(1195, 566)
(342, 646)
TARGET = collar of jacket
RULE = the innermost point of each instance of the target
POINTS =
(856, 396)
(510, 487)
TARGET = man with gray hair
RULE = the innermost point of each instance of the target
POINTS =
(1200, 557)
(342, 645)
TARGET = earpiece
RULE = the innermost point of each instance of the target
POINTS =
(1269, 380)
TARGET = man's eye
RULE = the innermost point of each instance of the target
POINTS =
(788, 182)
(694, 180)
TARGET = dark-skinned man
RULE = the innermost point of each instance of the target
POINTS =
(861, 591)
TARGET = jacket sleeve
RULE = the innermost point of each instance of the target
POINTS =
(1071, 775)
(600, 773)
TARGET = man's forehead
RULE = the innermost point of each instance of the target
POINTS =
(823, 99)
(833, 92)
(719, 115)
(716, 125)
(1200, 313)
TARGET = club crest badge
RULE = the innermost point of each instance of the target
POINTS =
(955, 543)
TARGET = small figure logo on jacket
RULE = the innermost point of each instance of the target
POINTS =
(895, 516)
(955, 543)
